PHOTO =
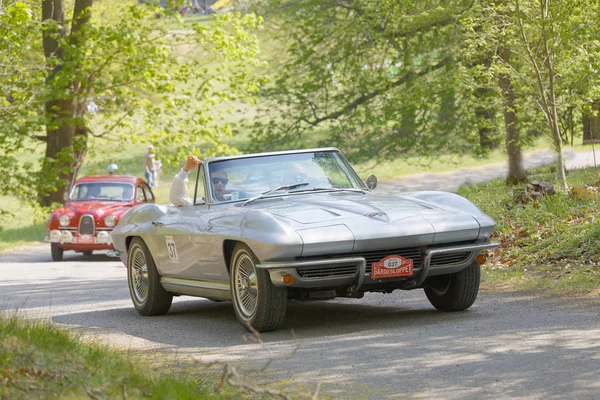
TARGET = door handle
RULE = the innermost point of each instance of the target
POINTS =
(157, 223)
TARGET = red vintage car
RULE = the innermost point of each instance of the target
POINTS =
(93, 209)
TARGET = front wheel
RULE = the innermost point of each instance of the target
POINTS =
(57, 252)
(454, 292)
(256, 301)
(148, 295)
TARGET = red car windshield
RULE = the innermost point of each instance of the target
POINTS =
(102, 191)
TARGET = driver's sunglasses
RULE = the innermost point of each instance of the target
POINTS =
(222, 180)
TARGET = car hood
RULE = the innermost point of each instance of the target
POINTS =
(364, 221)
(99, 207)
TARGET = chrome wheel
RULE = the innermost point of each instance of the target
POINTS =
(258, 304)
(245, 285)
(139, 275)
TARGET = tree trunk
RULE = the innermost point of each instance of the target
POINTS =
(516, 172)
(59, 135)
(61, 158)
(591, 124)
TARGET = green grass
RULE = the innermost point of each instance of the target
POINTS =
(22, 225)
(40, 361)
(549, 245)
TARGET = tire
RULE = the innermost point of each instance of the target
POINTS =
(454, 292)
(57, 252)
(256, 301)
(88, 253)
(148, 295)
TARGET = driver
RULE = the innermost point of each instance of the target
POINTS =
(178, 193)
(295, 174)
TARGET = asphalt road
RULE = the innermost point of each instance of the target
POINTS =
(382, 346)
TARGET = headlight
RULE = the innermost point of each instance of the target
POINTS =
(110, 220)
(64, 220)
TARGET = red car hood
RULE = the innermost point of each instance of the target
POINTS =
(99, 207)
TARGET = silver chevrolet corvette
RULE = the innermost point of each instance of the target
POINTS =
(299, 225)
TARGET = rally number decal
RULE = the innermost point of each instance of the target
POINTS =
(172, 249)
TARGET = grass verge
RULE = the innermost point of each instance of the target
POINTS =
(551, 245)
(40, 361)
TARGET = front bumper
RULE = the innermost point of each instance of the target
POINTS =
(352, 271)
(68, 238)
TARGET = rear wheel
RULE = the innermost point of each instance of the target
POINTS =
(257, 302)
(454, 292)
(57, 252)
(148, 295)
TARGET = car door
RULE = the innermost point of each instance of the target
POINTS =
(176, 235)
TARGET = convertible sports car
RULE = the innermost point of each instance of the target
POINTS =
(299, 225)
(91, 212)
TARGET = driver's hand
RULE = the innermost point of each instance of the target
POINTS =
(191, 163)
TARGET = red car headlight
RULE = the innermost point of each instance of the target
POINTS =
(110, 220)
(64, 220)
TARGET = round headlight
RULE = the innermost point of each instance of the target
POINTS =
(64, 220)
(110, 220)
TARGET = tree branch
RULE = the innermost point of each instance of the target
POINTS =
(368, 96)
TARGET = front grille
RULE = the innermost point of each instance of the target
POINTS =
(86, 225)
(412, 253)
(447, 259)
(327, 272)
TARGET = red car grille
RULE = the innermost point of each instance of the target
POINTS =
(86, 225)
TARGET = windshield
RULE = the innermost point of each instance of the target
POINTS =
(102, 191)
(244, 178)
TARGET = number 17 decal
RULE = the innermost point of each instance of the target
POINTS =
(172, 249)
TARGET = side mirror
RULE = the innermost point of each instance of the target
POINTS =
(371, 182)
(65, 196)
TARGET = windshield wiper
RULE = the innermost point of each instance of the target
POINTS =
(332, 189)
(268, 192)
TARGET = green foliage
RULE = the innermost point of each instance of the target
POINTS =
(550, 240)
(153, 78)
(381, 77)
(553, 63)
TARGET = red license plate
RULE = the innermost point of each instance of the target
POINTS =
(85, 239)
(392, 266)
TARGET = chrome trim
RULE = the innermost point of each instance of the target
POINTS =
(208, 289)
(93, 225)
(193, 283)
(113, 253)
(278, 270)
(425, 271)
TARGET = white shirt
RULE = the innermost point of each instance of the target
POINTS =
(178, 193)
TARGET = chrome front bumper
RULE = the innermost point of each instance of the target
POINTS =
(360, 277)
(67, 237)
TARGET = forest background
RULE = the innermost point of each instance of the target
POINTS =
(398, 86)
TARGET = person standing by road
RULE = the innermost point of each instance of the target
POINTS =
(150, 166)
